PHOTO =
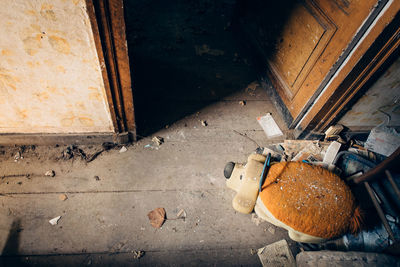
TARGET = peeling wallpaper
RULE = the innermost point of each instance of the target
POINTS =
(50, 77)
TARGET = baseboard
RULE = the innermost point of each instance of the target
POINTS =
(11, 139)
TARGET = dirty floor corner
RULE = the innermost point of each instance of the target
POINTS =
(104, 203)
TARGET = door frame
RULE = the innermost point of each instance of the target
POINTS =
(376, 45)
(376, 40)
(108, 26)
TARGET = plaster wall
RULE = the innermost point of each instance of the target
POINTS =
(383, 97)
(50, 76)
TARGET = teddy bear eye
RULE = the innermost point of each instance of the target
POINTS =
(241, 176)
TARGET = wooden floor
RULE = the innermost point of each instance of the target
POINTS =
(104, 220)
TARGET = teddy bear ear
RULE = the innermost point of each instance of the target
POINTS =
(229, 169)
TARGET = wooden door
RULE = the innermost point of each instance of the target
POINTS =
(311, 42)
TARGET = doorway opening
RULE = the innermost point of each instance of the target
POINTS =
(186, 55)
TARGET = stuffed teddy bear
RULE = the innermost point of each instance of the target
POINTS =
(312, 203)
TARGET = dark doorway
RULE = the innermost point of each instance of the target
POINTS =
(183, 57)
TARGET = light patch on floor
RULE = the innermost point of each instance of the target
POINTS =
(107, 216)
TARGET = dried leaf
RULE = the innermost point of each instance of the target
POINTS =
(157, 217)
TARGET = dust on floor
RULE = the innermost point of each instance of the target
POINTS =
(104, 217)
(188, 72)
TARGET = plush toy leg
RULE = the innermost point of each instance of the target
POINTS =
(297, 236)
(246, 196)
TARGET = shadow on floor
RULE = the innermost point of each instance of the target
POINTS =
(187, 54)
(183, 57)
(11, 246)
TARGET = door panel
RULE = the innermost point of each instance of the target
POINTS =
(312, 40)
(304, 37)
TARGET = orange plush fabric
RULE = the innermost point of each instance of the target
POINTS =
(310, 199)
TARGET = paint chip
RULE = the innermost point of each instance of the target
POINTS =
(54, 221)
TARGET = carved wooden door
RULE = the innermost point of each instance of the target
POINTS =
(312, 40)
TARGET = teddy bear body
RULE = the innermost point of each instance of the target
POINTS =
(312, 203)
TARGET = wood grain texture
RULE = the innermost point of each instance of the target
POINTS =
(107, 18)
(100, 54)
(302, 41)
(118, 31)
(354, 73)
(315, 62)
(354, 82)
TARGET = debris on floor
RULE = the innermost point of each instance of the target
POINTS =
(123, 149)
(242, 103)
(252, 87)
(97, 178)
(344, 259)
(269, 126)
(157, 217)
(331, 152)
(54, 221)
(245, 136)
(72, 151)
(116, 248)
(108, 145)
(276, 255)
(333, 131)
(158, 140)
(181, 214)
(27, 175)
(62, 197)
(376, 239)
(271, 230)
(206, 50)
(18, 156)
(255, 219)
(68, 153)
(137, 254)
(204, 123)
(50, 173)
(383, 140)
(342, 161)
